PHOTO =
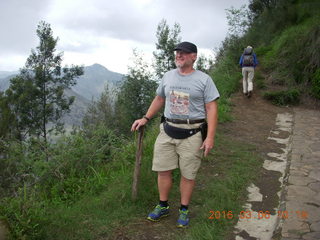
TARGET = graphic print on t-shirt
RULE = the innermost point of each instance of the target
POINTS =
(179, 103)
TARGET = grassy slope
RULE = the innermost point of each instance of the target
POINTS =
(221, 187)
(289, 58)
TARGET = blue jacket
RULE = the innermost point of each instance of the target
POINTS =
(255, 61)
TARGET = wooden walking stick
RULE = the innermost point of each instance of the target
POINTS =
(137, 164)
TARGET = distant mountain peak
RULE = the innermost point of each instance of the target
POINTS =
(95, 77)
(97, 65)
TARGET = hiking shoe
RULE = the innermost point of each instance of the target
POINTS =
(183, 220)
(249, 94)
(158, 213)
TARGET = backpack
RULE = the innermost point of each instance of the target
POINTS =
(248, 59)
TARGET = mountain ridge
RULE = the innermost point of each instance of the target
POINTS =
(89, 87)
(91, 84)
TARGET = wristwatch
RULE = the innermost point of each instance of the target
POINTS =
(145, 117)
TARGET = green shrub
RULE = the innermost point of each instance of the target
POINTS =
(226, 75)
(282, 98)
(259, 80)
(293, 55)
(315, 88)
(24, 214)
(262, 50)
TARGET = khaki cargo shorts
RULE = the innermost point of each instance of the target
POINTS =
(170, 153)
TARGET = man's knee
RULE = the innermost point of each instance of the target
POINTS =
(165, 173)
(188, 180)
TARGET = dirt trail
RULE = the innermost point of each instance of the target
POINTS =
(256, 122)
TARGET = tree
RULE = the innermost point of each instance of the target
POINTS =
(257, 7)
(101, 111)
(238, 20)
(204, 63)
(164, 54)
(37, 94)
(6, 118)
(135, 95)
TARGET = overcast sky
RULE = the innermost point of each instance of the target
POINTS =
(106, 31)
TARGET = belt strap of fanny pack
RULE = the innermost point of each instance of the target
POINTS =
(179, 133)
(185, 121)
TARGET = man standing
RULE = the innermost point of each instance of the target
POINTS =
(189, 97)
(248, 62)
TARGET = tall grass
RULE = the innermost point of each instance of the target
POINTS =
(226, 75)
(291, 54)
(283, 98)
(95, 214)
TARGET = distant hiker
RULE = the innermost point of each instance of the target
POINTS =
(190, 100)
(248, 62)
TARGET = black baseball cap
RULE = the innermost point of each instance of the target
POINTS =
(186, 47)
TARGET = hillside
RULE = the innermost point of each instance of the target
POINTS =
(89, 86)
(5, 80)
(287, 48)
(4, 74)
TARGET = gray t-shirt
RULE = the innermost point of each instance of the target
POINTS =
(186, 95)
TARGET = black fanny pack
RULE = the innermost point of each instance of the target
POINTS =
(182, 133)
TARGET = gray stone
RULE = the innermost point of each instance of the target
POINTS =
(296, 165)
(294, 228)
(311, 236)
(299, 211)
(300, 191)
(309, 212)
(315, 186)
(315, 146)
(296, 156)
(315, 174)
(307, 155)
(313, 160)
(302, 199)
(298, 173)
(316, 198)
(315, 227)
(308, 168)
(300, 181)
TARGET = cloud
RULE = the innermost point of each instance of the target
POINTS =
(123, 20)
(105, 32)
(18, 23)
(203, 21)
(137, 20)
